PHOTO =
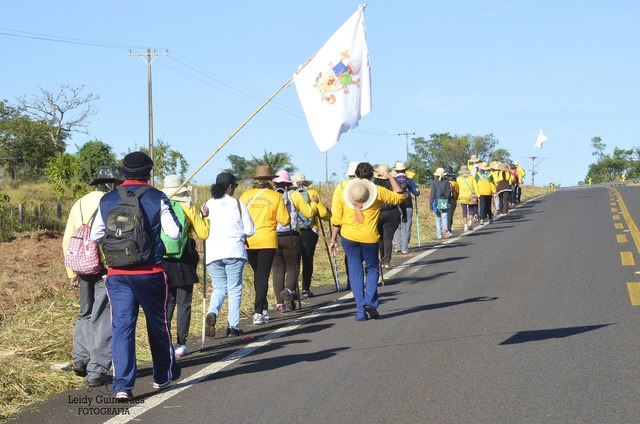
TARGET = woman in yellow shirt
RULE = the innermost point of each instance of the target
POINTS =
(267, 209)
(355, 218)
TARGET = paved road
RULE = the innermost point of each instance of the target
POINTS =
(531, 319)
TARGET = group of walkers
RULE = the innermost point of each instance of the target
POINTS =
(478, 188)
(274, 227)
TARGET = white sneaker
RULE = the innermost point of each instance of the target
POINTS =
(258, 319)
(466, 227)
(181, 350)
(265, 316)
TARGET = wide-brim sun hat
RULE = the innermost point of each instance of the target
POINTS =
(300, 179)
(380, 170)
(473, 159)
(282, 176)
(439, 172)
(108, 174)
(351, 169)
(494, 165)
(400, 166)
(484, 166)
(504, 167)
(360, 191)
(263, 172)
(171, 183)
(464, 171)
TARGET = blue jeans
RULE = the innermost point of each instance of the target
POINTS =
(365, 292)
(226, 277)
(442, 222)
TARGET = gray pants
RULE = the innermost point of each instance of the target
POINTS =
(92, 335)
(402, 235)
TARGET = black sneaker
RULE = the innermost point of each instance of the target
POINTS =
(80, 368)
(372, 312)
(210, 325)
(234, 332)
(101, 380)
(307, 294)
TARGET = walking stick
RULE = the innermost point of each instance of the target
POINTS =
(380, 268)
(204, 288)
(336, 275)
(334, 272)
(417, 220)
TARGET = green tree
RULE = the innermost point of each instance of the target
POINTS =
(166, 161)
(60, 172)
(598, 147)
(500, 155)
(92, 155)
(276, 161)
(239, 167)
(610, 168)
(25, 143)
(441, 150)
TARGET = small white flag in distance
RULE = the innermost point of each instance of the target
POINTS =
(335, 86)
(541, 139)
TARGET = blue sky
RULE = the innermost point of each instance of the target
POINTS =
(508, 68)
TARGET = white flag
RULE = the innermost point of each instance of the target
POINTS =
(541, 139)
(335, 86)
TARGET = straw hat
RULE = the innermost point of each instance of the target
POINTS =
(300, 179)
(494, 165)
(484, 166)
(503, 167)
(439, 172)
(360, 191)
(400, 166)
(473, 159)
(380, 171)
(263, 172)
(464, 171)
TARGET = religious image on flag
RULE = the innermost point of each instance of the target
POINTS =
(335, 86)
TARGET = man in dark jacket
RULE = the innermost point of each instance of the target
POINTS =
(141, 284)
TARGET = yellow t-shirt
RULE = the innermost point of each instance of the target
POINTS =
(344, 216)
(267, 209)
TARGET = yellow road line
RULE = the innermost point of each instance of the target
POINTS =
(618, 225)
(616, 217)
(627, 259)
(634, 293)
(622, 238)
(633, 228)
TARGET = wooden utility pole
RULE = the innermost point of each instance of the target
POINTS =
(407, 134)
(149, 54)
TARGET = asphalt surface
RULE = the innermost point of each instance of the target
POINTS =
(530, 319)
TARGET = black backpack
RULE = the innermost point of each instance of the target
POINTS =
(126, 240)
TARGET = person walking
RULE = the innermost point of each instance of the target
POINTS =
(92, 335)
(402, 236)
(267, 210)
(308, 229)
(453, 198)
(141, 284)
(286, 262)
(503, 182)
(337, 197)
(467, 197)
(439, 202)
(181, 258)
(355, 218)
(389, 218)
(225, 251)
(485, 189)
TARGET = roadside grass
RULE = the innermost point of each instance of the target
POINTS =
(38, 309)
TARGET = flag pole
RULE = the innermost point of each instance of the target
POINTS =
(233, 134)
